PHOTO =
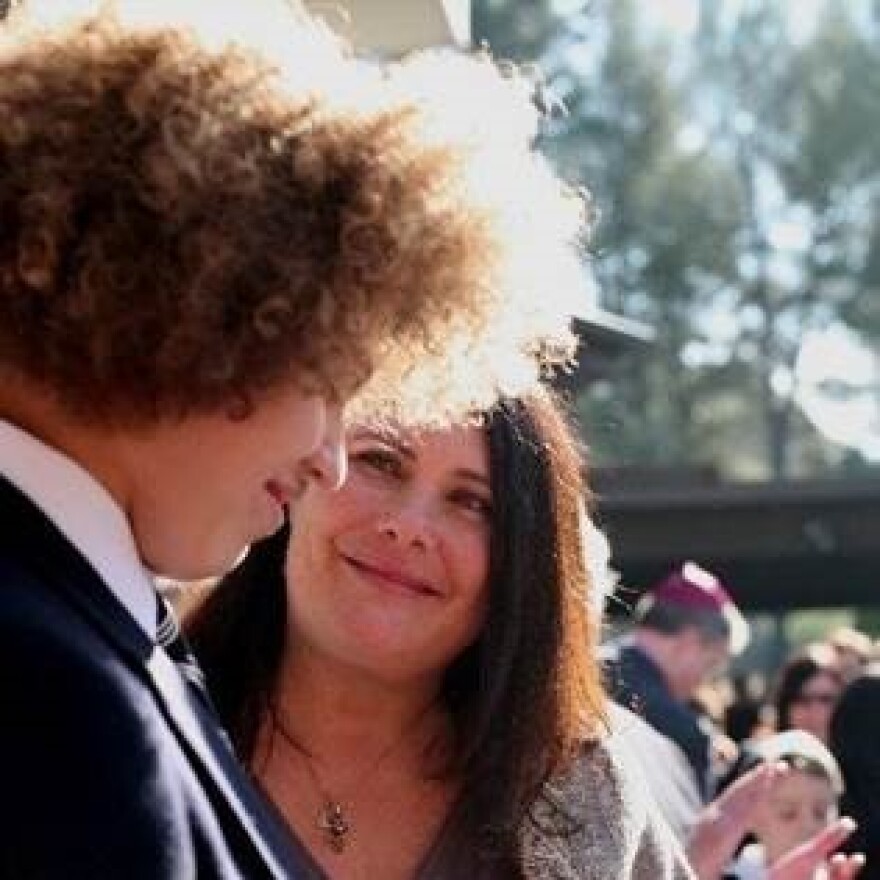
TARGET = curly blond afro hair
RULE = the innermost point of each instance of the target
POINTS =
(184, 227)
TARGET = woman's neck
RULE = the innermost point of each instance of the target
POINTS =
(333, 710)
(357, 766)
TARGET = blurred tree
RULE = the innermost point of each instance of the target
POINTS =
(792, 118)
(736, 182)
(837, 172)
(868, 621)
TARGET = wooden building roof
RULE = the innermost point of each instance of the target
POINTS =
(778, 546)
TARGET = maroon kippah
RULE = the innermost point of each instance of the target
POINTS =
(692, 587)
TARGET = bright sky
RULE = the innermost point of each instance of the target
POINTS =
(677, 15)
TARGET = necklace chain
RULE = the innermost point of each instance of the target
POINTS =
(332, 820)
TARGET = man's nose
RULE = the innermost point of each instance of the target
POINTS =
(328, 464)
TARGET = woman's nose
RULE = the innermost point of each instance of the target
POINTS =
(410, 524)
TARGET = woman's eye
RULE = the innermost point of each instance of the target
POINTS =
(381, 460)
(473, 503)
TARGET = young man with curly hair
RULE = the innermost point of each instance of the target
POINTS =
(203, 256)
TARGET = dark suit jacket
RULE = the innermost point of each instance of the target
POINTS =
(111, 767)
(635, 681)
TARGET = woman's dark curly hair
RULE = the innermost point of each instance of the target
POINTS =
(183, 227)
(526, 696)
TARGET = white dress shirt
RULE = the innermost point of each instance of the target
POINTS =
(85, 513)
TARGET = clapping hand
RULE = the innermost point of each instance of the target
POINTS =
(725, 822)
(811, 859)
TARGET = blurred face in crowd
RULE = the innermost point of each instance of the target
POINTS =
(389, 575)
(811, 709)
(850, 662)
(698, 661)
(801, 805)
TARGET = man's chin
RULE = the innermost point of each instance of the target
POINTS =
(241, 556)
(197, 569)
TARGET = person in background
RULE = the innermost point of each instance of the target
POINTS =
(686, 628)
(748, 715)
(420, 695)
(853, 649)
(205, 252)
(729, 821)
(854, 738)
(801, 802)
(712, 834)
(807, 689)
(709, 702)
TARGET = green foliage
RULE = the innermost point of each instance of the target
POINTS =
(701, 158)
(803, 627)
(868, 621)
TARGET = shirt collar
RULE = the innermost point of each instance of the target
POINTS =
(85, 513)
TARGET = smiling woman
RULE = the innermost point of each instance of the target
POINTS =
(409, 670)
(391, 572)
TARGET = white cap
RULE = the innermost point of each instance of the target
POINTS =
(799, 744)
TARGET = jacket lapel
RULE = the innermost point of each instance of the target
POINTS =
(205, 740)
(33, 538)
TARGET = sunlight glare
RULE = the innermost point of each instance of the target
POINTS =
(838, 389)
(680, 16)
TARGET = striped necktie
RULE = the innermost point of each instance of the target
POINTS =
(169, 637)
(172, 640)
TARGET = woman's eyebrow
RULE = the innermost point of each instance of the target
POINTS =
(389, 438)
(475, 476)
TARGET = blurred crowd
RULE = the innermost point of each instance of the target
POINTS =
(757, 770)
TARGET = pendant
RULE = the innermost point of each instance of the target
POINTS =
(334, 825)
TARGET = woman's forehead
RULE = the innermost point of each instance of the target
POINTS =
(417, 436)
(449, 448)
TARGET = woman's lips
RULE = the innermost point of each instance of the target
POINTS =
(389, 576)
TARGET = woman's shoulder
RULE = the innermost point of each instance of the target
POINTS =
(595, 821)
(605, 781)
